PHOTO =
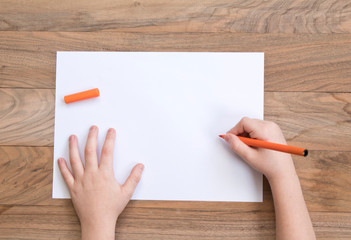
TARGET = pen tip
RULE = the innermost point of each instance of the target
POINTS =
(221, 136)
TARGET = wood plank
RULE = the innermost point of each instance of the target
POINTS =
(27, 117)
(26, 174)
(47, 222)
(317, 121)
(272, 16)
(325, 178)
(292, 62)
(26, 179)
(308, 93)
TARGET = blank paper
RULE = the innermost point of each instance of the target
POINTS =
(168, 109)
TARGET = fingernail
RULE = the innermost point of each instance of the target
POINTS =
(111, 131)
(92, 128)
(141, 167)
(221, 136)
(71, 138)
(59, 160)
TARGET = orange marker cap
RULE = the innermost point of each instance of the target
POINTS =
(82, 95)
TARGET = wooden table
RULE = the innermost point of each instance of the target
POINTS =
(307, 47)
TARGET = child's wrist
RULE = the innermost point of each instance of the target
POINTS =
(282, 176)
(98, 230)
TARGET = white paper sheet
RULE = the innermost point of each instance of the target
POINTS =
(168, 110)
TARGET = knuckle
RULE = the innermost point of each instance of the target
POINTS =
(134, 179)
(89, 150)
(128, 192)
(234, 145)
(106, 151)
(244, 120)
(266, 130)
(272, 126)
(75, 162)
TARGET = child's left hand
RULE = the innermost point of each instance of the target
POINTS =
(96, 195)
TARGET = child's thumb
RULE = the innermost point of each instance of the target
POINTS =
(133, 179)
(238, 146)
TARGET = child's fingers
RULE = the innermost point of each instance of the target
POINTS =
(91, 158)
(106, 161)
(74, 157)
(247, 125)
(66, 173)
(133, 180)
(244, 151)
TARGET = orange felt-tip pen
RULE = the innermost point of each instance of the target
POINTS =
(82, 95)
(273, 146)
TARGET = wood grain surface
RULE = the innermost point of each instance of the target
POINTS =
(311, 120)
(255, 16)
(318, 63)
(27, 175)
(307, 47)
(44, 222)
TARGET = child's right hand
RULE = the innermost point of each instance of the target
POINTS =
(272, 164)
(292, 218)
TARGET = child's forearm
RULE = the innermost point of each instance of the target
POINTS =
(292, 218)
